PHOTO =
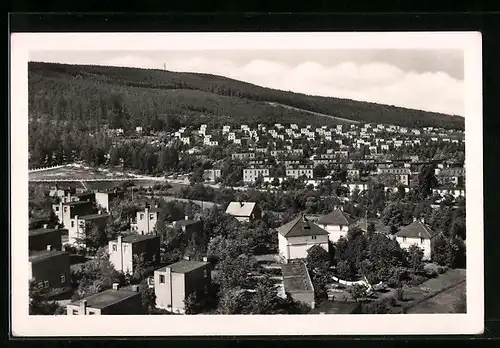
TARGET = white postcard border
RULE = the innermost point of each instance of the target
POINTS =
(245, 325)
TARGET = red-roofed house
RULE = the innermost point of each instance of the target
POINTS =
(296, 237)
(336, 224)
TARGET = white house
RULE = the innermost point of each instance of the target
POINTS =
(417, 233)
(296, 237)
(336, 224)
(244, 211)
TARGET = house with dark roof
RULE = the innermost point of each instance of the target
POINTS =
(66, 211)
(244, 211)
(145, 221)
(124, 250)
(113, 301)
(297, 283)
(336, 223)
(49, 270)
(79, 225)
(41, 238)
(363, 224)
(174, 283)
(417, 233)
(296, 237)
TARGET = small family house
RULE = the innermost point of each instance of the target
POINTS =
(336, 224)
(417, 233)
(244, 211)
(296, 237)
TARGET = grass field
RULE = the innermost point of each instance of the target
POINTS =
(77, 172)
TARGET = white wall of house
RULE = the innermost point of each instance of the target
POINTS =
(296, 247)
(335, 231)
(424, 244)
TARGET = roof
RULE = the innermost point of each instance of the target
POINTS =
(77, 203)
(336, 217)
(240, 208)
(106, 298)
(335, 307)
(300, 226)
(93, 216)
(37, 256)
(296, 277)
(39, 231)
(379, 226)
(417, 229)
(184, 266)
(135, 238)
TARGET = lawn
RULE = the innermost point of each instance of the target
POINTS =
(77, 172)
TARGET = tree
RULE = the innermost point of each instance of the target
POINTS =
(191, 305)
(148, 297)
(318, 258)
(357, 291)
(320, 171)
(426, 181)
(370, 230)
(39, 305)
(142, 267)
(233, 301)
(415, 257)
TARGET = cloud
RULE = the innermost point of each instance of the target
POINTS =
(376, 81)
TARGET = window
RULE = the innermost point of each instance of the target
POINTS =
(151, 216)
(313, 237)
(63, 278)
(205, 273)
(72, 224)
(40, 285)
(341, 227)
(404, 239)
(115, 247)
(57, 209)
(46, 284)
(154, 258)
(206, 289)
(75, 311)
(421, 241)
(65, 209)
(91, 312)
(162, 279)
(125, 247)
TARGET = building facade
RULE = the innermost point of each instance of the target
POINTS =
(145, 221)
(124, 251)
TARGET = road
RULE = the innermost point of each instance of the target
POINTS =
(313, 113)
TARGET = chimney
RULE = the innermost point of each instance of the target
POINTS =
(116, 286)
(341, 208)
(135, 288)
(241, 204)
(205, 259)
(83, 307)
(422, 219)
(186, 258)
(414, 218)
(156, 205)
(45, 226)
(49, 247)
(186, 217)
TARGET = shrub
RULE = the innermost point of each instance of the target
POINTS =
(442, 269)
(417, 279)
(399, 294)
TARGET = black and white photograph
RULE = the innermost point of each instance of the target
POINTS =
(246, 183)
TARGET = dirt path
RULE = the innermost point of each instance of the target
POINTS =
(438, 302)
(313, 113)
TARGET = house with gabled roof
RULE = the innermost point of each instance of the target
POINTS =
(296, 237)
(336, 223)
(417, 233)
(244, 211)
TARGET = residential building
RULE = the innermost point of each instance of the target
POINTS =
(353, 174)
(105, 198)
(41, 238)
(244, 211)
(336, 224)
(80, 225)
(113, 301)
(61, 193)
(123, 251)
(299, 171)
(146, 220)
(297, 283)
(251, 174)
(296, 237)
(66, 211)
(243, 156)
(417, 233)
(212, 174)
(174, 283)
(49, 270)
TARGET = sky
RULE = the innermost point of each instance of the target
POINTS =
(431, 80)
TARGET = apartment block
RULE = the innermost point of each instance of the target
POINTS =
(41, 238)
(145, 221)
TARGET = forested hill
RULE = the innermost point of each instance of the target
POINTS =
(127, 97)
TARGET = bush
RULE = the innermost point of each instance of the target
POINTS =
(442, 269)
(399, 294)
(431, 273)
(417, 279)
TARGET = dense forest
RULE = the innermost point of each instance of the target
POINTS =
(128, 97)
